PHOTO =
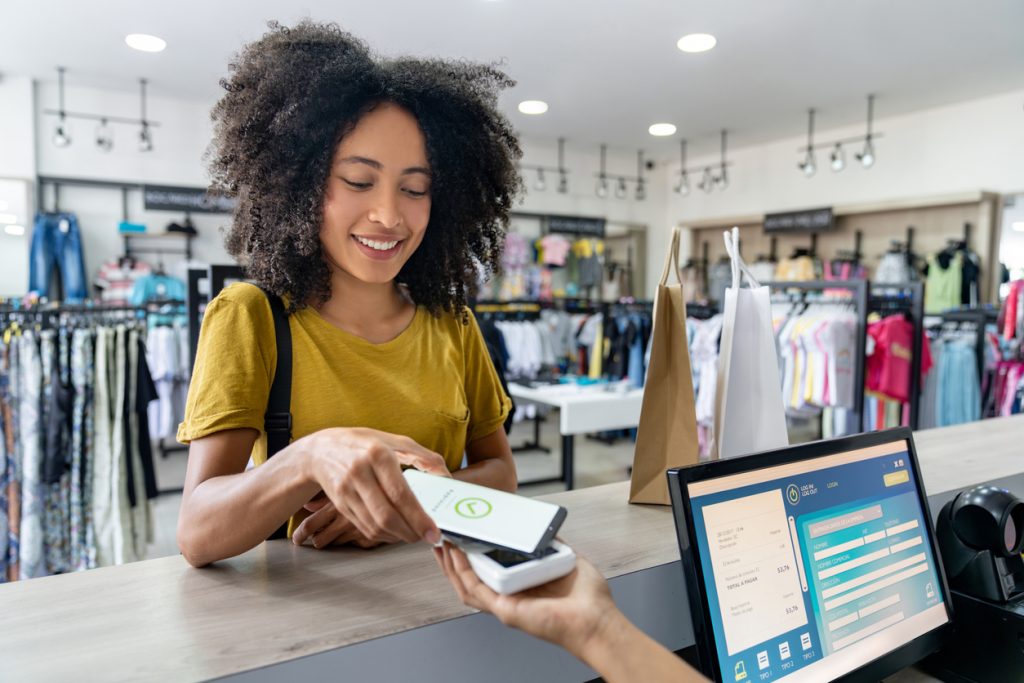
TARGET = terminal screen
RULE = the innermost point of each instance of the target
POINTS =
(815, 568)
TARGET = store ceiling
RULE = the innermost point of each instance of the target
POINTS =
(608, 70)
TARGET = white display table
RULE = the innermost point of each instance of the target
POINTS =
(583, 409)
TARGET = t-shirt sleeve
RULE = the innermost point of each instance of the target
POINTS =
(489, 405)
(234, 365)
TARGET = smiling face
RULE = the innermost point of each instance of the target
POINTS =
(377, 199)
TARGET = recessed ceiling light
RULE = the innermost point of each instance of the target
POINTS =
(16, 230)
(145, 43)
(533, 107)
(662, 129)
(696, 42)
(1018, 226)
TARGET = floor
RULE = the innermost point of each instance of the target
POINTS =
(597, 463)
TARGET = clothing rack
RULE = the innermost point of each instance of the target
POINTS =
(859, 292)
(980, 317)
(700, 311)
(908, 299)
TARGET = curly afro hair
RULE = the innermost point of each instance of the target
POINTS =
(291, 97)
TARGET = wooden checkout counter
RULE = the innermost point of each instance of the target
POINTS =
(280, 612)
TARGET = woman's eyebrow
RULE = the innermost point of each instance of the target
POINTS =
(373, 163)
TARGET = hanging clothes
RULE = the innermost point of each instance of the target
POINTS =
(77, 472)
(57, 249)
(943, 287)
(890, 352)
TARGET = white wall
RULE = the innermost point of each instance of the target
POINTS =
(176, 159)
(976, 145)
(17, 166)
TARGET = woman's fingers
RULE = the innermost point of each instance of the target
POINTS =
(402, 500)
(427, 461)
(314, 523)
(389, 509)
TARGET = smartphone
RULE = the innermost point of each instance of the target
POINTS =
(477, 513)
(507, 572)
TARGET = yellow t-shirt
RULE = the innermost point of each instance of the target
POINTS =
(434, 382)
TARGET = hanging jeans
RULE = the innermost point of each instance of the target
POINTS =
(33, 493)
(57, 243)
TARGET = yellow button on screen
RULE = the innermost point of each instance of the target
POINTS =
(897, 478)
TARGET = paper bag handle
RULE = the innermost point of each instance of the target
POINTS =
(732, 247)
(672, 258)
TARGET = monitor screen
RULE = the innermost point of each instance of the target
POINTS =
(814, 568)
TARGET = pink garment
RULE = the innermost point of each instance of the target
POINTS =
(888, 368)
(556, 248)
(1008, 316)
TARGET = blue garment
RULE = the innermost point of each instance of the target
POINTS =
(959, 391)
(156, 287)
(56, 242)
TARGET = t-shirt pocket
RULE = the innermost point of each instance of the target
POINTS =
(450, 436)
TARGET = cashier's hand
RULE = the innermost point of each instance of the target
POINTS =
(367, 500)
(567, 612)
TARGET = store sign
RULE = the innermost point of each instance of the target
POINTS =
(193, 199)
(812, 220)
(576, 225)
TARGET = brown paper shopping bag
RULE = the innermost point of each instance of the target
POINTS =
(667, 435)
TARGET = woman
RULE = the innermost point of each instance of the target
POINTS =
(370, 194)
(575, 612)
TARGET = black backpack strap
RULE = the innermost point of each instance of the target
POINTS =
(277, 422)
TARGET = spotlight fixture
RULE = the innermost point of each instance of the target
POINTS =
(641, 191)
(602, 178)
(563, 174)
(808, 166)
(867, 157)
(722, 179)
(104, 136)
(838, 158)
(682, 186)
(540, 185)
(145, 136)
(707, 181)
(533, 107)
(662, 129)
(620, 189)
(62, 133)
(697, 42)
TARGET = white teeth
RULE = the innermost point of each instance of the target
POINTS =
(379, 246)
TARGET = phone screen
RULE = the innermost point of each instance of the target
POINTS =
(484, 514)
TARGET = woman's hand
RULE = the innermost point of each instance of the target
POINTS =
(327, 527)
(360, 472)
(568, 612)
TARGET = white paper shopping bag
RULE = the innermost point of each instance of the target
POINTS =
(749, 415)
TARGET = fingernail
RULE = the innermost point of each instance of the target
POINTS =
(433, 537)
